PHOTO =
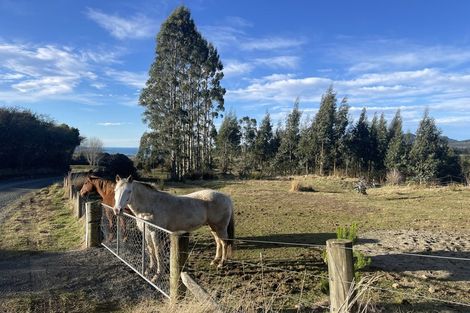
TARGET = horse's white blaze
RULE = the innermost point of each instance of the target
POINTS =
(122, 196)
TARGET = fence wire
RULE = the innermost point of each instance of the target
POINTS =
(143, 247)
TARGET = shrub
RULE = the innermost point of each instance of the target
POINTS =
(395, 177)
(360, 260)
(297, 186)
(114, 164)
(347, 232)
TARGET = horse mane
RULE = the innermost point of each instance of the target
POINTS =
(103, 183)
(148, 185)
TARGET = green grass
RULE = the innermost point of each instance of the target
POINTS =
(42, 222)
(267, 210)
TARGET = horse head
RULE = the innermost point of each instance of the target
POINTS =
(87, 187)
(122, 193)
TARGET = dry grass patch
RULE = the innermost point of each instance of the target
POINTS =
(41, 222)
(297, 186)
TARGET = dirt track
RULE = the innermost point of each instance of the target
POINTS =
(94, 274)
(71, 281)
(11, 190)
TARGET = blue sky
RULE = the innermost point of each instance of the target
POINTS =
(84, 62)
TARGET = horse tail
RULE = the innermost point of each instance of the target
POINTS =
(231, 233)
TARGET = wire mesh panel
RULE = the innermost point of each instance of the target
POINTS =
(109, 228)
(141, 245)
(157, 257)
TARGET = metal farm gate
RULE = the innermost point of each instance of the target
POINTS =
(133, 241)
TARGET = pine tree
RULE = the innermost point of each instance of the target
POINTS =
(323, 130)
(264, 143)
(248, 140)
(395, 158)
(183, 94)
(340, 138)
(305, 151)
(228, 142)
(287, 155)
(429, 150)
(152, 151)
(359, 143)
(382, 145)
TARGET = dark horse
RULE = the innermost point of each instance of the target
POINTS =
(105, 188)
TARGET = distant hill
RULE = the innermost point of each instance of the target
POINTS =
(459, 145)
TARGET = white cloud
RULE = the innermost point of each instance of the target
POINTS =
(377, 55)
(132, 79)
(283, 61)
(106, 124)
(133, 27)
(231, 35)
(445, 93)
(234, 67)
(270, 43)
(449, 120)
(48, 85)
(11, 76)
(29, 73)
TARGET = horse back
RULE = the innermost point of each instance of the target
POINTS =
(217, 204)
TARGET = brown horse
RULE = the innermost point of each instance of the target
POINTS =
(105, 188)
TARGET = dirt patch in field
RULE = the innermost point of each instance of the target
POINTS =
(421, 264)
(437, 254)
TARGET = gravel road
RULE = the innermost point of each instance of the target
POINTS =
(11, 190)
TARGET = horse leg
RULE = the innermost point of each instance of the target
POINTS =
(154, 244)
(222, 239)
(149, 247)
(218, 251)
(110, 216)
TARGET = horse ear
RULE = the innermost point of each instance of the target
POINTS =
(130, 179)
(118, 178)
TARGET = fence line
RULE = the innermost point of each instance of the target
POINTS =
(142, 246)
(418, 296)
(122, 250)
(306, 245)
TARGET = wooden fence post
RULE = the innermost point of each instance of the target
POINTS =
(200, 294)
(341, 274)
(79, 205)
(178, 256)
(92, 224)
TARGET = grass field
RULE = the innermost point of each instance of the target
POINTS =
(266, 210)
(266, 276)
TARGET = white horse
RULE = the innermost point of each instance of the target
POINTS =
(179, 213)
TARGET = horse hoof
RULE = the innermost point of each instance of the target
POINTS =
(221, 264)
(214, 262)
